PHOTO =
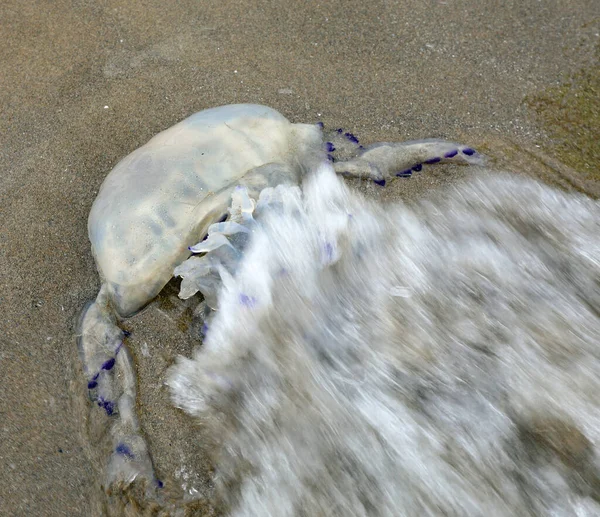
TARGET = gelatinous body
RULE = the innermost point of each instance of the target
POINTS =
(162, 197)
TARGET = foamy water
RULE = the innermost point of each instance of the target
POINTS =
(437, 359)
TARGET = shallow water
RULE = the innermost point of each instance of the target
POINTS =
(434, 357)
(437, 358)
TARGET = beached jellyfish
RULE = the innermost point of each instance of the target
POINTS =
(158, 203)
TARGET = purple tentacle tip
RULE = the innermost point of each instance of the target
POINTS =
(107, 405)
(330, 158)
(329, 147)
(433, 160)
(124, 450)
(126, 333)
(418, 167)
(93, 382)
(248, 301)
(159, 483)
(108, 365)
(468, 151)
(451, 154)
(380, 182)
(351, 138)
(320, 125)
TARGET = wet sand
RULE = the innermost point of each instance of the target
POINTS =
(83, 84)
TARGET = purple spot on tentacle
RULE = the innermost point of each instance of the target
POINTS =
(93, 382)
(328, 251)
(380, 182)
(126, 333)
(351, 138)
(329, 147)
(124, 450)
(248, 301)
(204, 329)
(282, 272)
(107, 405)
(404, 174)
(451, 154)
(418, 167)
(320, 125)
(108, 365)
(330, 158)
(159, 483)
(468, 151)
(339, 130)
(433, 160)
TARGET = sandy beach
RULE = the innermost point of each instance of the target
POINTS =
(83, 84)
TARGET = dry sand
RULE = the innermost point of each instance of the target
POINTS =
(84, 83)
